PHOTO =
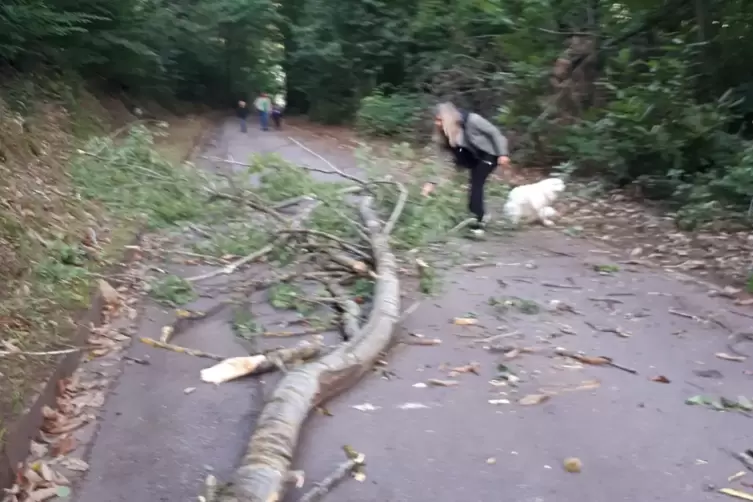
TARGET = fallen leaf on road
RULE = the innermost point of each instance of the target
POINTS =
(730, 357)
(189, 390)
(736, 493)
(442, 383)
(74, 464)
(472, 367)
(420, 385)
(736, 476)
(708, 373)
(660, 379)
(465, 321)
(499, 401)
(572, 464)
(491, 460)
(532, 399)
(412, 406)
(365, 407)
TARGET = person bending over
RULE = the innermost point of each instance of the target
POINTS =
(477, 145)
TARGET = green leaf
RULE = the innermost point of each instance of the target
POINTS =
(697, 400)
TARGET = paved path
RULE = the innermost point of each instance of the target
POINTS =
(636, 438)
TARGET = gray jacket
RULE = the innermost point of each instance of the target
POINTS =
(484, 136)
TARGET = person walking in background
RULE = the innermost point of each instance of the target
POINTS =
(264, 105)
(242, 112)
(477, 145)
(277, 115)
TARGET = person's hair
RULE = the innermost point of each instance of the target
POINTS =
(451, 123)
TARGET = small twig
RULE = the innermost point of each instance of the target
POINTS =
(326, 485)
(595, 361)
(4, 353)
(232, 267)
(191, 254)
(561, 286)
(335, 170)
(462, 225)
(180, 350)
(397, 210)
(558, 253)
(258, 204)
(610, 301)
(684, 314)
(741, 314)
(305, 332)
(497, 337)
(345, 245)
(620, 294)
(744, 457)
(199, 231)
(474, 266)
(407, 312)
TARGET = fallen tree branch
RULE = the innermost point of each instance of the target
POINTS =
(345, 245)
(236, 367)
(263, 471)
(349, 309)
(334, 169)
(326, 485)
(398, 209)
(232, 267)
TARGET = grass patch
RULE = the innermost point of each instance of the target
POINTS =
(172, 291)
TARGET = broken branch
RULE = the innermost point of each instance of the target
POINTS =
(326, 485)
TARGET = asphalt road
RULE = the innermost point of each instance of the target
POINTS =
(636, 438)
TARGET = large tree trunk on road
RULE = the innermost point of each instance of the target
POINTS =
(263, 472)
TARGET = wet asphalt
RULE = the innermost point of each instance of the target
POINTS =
(636, 438)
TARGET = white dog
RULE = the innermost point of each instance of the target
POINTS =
(534, 202)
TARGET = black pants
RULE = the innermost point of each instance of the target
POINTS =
(479, 167)
(277, 119)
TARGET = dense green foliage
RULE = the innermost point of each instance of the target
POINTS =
(657, 92)
(210, 51)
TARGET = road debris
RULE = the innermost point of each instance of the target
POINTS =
(236, 367)
(708, 374)
(722, 403)
(605, 329)
(365, 407)
(736, 493)
(737, 338)
(354, 466)
(594, 361)
(435, 382)
(533, 399)
(730, 357)
(472, 367)
(412, 406)
(660, 379)
(465, 321)
(572, 465)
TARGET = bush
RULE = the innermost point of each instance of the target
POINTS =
(395, 115)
